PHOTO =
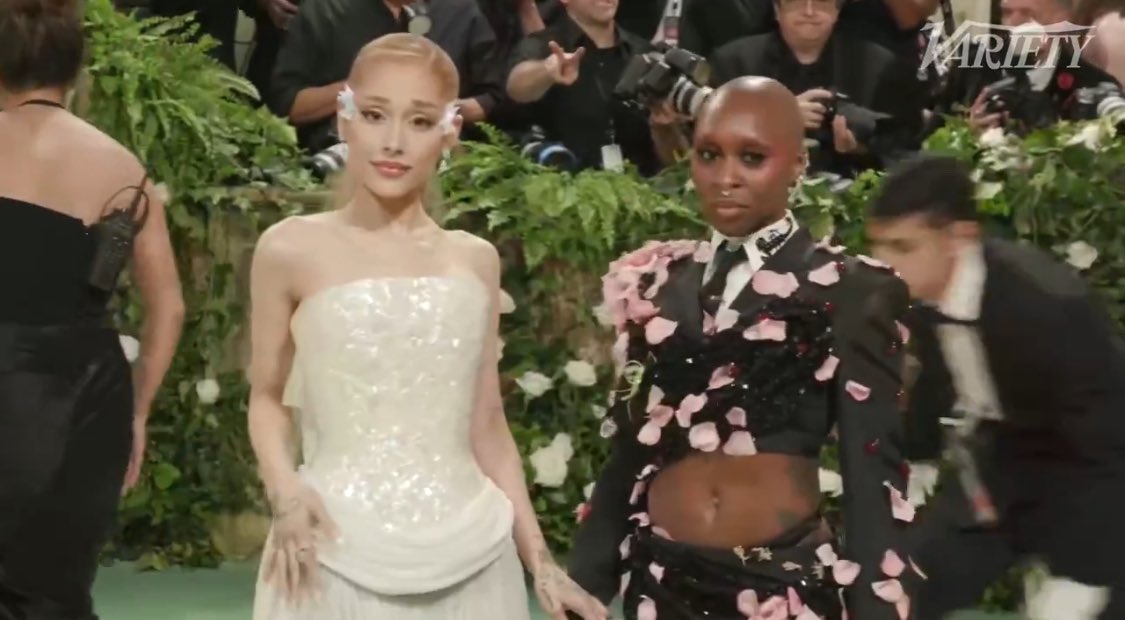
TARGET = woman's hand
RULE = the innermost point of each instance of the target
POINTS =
(137, 454)
(300, 521)
(557, 594)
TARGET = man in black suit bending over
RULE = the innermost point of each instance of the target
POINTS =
(1027, 374)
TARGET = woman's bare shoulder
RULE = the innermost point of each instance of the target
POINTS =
(479, 252)
(291, 236)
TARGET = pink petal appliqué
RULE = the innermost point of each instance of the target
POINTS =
(655, 397)
(826, 245)
(892, 565)
(740, 443)
(649, 434)
(624, 583)
(900, 508)
(889, 590)
(747, 603)
(641, 518)
(914, 567)
(903, 332)
(661, 415)
(661, 532)
(825, 275)
(737, 417)
(873, 262)
(708, 324)
(658, 329)
(620, 350)
(689, 406)
(857, 391)
(774, 608)
(637, 309)
(657, 571)
(807, 614)
(722, 377)
(725, 318)
(826, 554)
(827, 370)
(766, 282)
(646, 610)
(766, 329)
(795, 603)
(844, 572)
(704, 253)
(638, 489)
(704, 437)
(625, 547)
(661, 277)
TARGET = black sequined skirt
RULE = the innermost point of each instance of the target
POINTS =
(678, 581)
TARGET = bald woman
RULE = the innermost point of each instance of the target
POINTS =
(737, 357)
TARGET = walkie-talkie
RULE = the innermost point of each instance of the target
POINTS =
(114, 235)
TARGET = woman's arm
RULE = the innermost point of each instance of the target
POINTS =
(154, 271)
(493, 445)
(271, 307)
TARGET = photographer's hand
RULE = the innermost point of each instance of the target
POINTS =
(979, 117)
(812, 110)
(663, 114)
(842, 138)
(562, 65)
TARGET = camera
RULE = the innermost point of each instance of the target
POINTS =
(868, 126)
(1015, 95)
(1102, 101)
(329, 161)
(666, 73)
(534, 146)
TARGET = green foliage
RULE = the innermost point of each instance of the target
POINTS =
(188, 119)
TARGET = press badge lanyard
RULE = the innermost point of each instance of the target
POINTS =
(612, 159)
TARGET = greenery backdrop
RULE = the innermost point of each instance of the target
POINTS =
(232, 170)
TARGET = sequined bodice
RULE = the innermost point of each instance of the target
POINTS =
(385, 379)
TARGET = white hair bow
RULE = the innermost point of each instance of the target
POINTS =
(346, 101)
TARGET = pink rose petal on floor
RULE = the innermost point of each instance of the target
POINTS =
(661, 415)
(892, 565)
(774, 608)
(740, 443)
(658, 329)
(900, 508)
(827, 370)
(704, 437)
(857, 391)
(747, 603)
(649, 434)
(722, 377)
(689, 406)
(657, 571)
(825, 275)
(903, 332)
(704, 253)
(737, 416)
(725, 318)
(766, 282)
(766, 329)
(655, 397)
(844, 572)
(646, 610)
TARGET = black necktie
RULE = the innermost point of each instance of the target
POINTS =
(726, 258)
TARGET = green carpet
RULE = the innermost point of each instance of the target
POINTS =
(122, 593)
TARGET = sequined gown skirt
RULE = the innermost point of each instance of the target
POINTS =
(66, 404)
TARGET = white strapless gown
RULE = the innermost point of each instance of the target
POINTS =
(384, 383)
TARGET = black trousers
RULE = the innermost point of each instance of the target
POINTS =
(66, 404)
(1075, 539)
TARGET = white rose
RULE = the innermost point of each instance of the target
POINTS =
(549, 465)
(1092, 136)
(598, 411)
(1081, 255)
(534, 384)
(507, 304)
(207, 390)
(580, 373)
(992, 138)
(831, 483)
(603, 315)
(920, 485)
(564, 445)
(163, 194)
(988, 190)
(588, 490)
(131, 347)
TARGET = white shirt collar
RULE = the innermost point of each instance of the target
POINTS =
(787, 225)
(966, 286)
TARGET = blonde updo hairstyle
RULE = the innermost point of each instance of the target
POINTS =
(403, 48)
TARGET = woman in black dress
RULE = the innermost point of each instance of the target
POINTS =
(75, 206)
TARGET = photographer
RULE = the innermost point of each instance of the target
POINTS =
(819, 64)
(568, 71)
(324, 37)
